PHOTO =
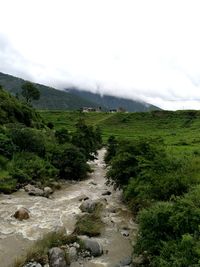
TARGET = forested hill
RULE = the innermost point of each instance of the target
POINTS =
(113, 102)
(50, 98)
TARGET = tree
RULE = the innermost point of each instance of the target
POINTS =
(30, 92)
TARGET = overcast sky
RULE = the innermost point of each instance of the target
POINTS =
(142, 49)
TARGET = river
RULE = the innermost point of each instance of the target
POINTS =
(61, 211)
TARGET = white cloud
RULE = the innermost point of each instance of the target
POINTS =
(139, 49)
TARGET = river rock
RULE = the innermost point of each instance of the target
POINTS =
(88, 206)
(33, 264)
(47, 191)
(93, 246)
(83, 197)
(137, 261)
(106, 193)
(34, 191)
(93, 183)
(22, 214)
(56, 257)
(73, 254)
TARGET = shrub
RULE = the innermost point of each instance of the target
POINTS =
(111, 149)
(7, 148)
(29, 140)
(26, 167)
(169, 232)
(87, 138)
(62, 135)
(70, 162)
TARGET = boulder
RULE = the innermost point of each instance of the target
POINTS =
(33, 191)
(137, 261)
(92, 183)
(57, 257)
(106, 193)
(47, 191)
(22, 214)
(33, 264)
(88, 206)
(126, 261)
(83, 197)
(29, 187)
(93, 246)
(73, 255)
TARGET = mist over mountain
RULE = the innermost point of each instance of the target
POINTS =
(112, 102)
(72, 98)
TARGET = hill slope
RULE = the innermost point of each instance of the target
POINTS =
(113, 102)
(50, 98)
(14, 111)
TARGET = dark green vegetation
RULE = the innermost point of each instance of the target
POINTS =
(31, 152)
(30, 92)
(70, 99)
(164, 190)
(108, 102)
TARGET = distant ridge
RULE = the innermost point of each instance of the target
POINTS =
(112, 102)
(73, 98)
(50, 98)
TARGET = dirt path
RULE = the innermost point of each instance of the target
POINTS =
(62, 210)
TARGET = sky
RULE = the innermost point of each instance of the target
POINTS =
(147, 50)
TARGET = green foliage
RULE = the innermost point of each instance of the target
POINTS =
(26, 167)
(62, 135)
(8, 185)
(71, 162)
(28, 139)
(111, 149)
(12, 110)
(87, 138)
(30, 92)
(127, 162)
(7, 147)
(169, 232)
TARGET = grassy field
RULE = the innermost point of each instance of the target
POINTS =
(180, 130)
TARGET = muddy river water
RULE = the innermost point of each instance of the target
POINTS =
(62, 210)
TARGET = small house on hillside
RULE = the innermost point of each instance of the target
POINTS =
(90, 109)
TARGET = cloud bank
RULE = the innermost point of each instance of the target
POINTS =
(147, 50)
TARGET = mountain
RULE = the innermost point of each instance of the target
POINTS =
(113, 102)
(50, 98)
(72, 98)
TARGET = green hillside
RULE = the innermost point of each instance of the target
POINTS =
(14, 111)
(180, 129)
(50, 98)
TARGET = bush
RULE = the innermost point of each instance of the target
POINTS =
(127, 163)
(70, 162)
(7, 148)
(111, 149)
(26, 167)
(87, 138)
(169, 232)
(62, 135)
(29, 140)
